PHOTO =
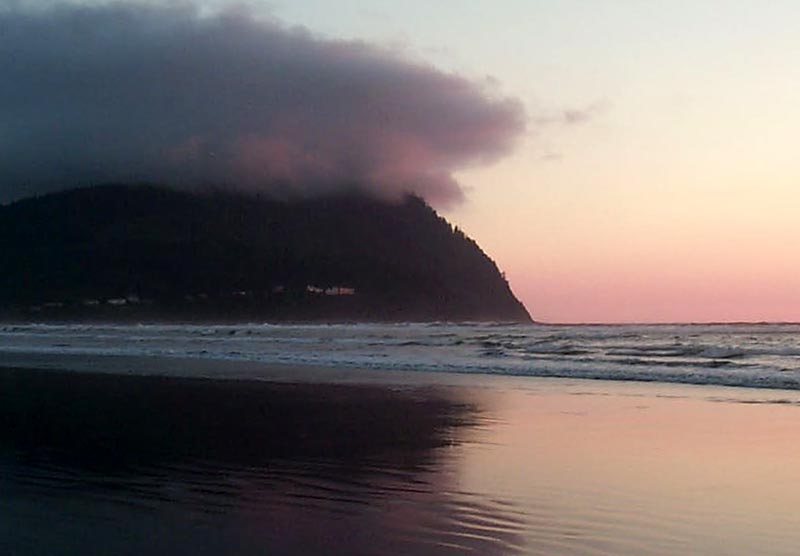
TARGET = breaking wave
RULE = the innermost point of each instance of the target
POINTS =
(758, 355)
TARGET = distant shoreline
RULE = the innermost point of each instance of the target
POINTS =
(136, 318)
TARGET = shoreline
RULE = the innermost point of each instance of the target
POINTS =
(227, 369)
(292, 373)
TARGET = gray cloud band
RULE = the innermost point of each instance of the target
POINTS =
(132, 93)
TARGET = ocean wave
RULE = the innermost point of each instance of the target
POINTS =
(732, 355)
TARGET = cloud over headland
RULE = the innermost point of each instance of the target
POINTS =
(130, 92)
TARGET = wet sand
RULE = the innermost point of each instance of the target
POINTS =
(320, 461)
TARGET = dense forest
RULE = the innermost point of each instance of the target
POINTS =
(149, 252)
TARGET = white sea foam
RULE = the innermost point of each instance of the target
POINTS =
(766, 356)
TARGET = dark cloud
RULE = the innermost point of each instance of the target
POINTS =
(132, 92)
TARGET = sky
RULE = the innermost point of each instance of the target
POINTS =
(655, 178)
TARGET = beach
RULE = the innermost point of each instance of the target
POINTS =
(306, 278)
(100, 456)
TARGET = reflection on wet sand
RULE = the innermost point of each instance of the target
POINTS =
(100, 464)
(104, 464)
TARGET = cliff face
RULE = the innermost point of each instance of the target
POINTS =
(144, 251)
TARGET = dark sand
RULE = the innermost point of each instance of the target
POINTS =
(317, 461)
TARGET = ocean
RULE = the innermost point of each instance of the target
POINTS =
(739, 355)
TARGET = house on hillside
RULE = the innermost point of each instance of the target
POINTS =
(340, 290)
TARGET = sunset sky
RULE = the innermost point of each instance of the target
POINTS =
(674, 197)
(657, 177)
